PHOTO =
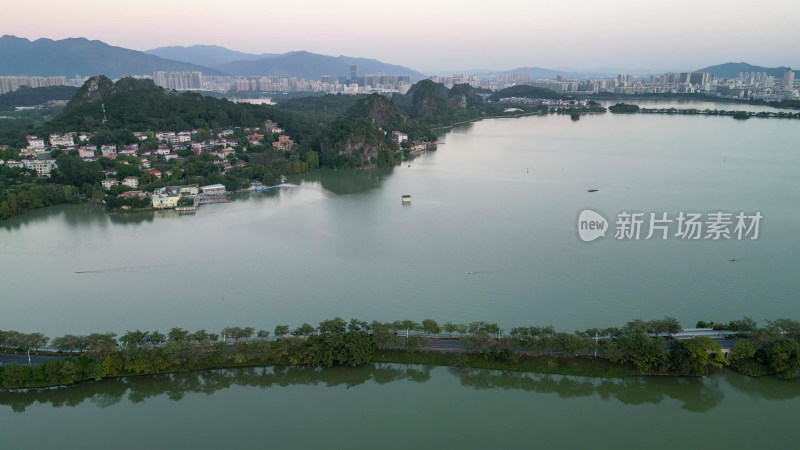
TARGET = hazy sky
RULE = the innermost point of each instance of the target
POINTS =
(432, 35)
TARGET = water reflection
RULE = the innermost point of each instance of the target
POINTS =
(74, 215)
(175, 386)
(693, 394)
(340, 182)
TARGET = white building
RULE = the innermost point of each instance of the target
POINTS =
(164, 201)
(108, 150)
(189, 190)
(131, 182)
(87, 151)
(108, 183)
(35, 142)
(63, 140)
(41, 166)
(213, 189)
(399, 137)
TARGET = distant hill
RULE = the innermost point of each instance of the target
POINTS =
(525, 91)
(731, 70)
(311, 66)
(206, 55)
(26, 96)
(536, 72)
(46, 57)
(140, 105)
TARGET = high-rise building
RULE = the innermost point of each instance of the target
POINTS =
(178, 80)
(788, 79)
(625, 78)
(353, 71)
(699, 78)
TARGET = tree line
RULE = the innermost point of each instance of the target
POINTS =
(644, 346)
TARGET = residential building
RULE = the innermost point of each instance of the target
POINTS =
(788, 79)
(62, 140)
(108, 183)
(284, 143)
(41, 166)
(87, 151)
(399, 137)
(213, 189)
(35, 142)
(131, 182)
(165, 201)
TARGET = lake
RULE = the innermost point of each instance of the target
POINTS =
(499, 198)
(398, 406)
(491, 234)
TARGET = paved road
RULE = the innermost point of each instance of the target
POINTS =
(22, 359)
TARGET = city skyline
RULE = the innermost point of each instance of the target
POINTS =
(575, 35)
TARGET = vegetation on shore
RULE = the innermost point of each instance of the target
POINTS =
(28, 96)
(640, 347)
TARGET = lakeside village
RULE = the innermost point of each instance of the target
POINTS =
(129, 167)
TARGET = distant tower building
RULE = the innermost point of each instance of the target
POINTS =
(353, 72)
(699, 78)
(788, 79)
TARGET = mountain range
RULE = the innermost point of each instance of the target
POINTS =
(299, 64)
(46, 57)
(80, 56)
(731, 70)
(206, 55)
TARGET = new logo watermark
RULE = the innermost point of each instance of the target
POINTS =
(634, 226)
(591, 225)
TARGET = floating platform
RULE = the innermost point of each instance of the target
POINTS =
(277, 186)
(406, 199)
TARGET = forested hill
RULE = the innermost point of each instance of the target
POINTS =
(433, 104)
(525, 91)
(732, 70)
(348, 131)
(27, 96)
(139, 105)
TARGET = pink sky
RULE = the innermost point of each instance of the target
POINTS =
(427, 35)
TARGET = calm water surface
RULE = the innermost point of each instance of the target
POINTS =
(396, 406)
(500, 198)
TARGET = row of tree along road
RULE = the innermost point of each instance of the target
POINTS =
(638, 348)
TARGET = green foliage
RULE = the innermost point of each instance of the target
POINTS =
(695, 356)
(323, 109)
(27, 96)
(646, 354)
(139, 105)
(742, 350)
(525, 91)
(782, 356)
(774, 349)
(624, 108)
(429, 326)
(355, 143)
(741, 115)
(281, 330)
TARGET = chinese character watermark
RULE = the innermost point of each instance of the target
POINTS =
(714, 226)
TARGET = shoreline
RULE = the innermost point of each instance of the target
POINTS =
(578, 365)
